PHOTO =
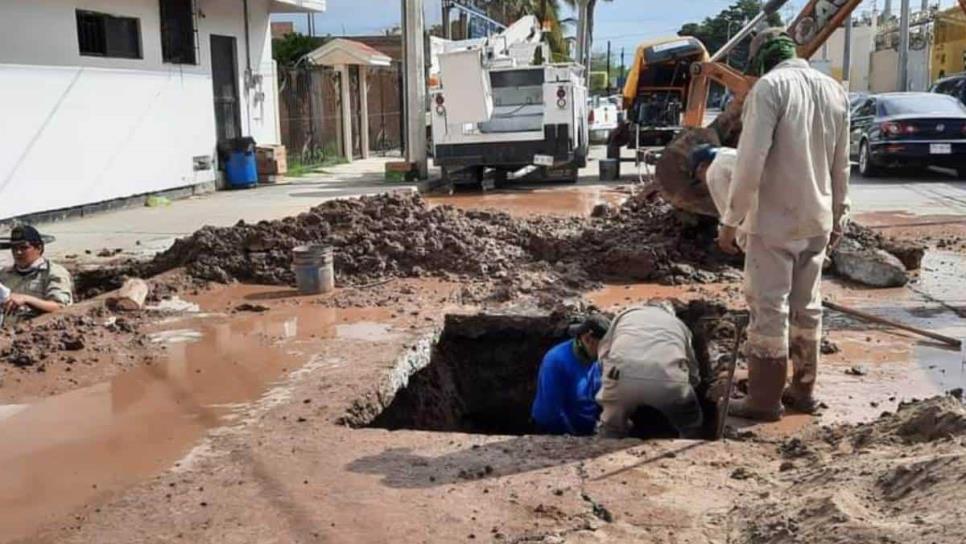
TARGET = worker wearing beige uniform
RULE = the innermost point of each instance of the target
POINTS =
(789, 196)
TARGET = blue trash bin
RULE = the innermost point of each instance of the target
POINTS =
(241, 171)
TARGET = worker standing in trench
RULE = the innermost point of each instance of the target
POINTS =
(33, 285)
(568, 380)
(789, 198)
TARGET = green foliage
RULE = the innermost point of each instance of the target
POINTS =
(288, 50)
(313, 161)
(715, 31)
(598, 73)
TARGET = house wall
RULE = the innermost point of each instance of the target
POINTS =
(830, 59)
(885, 70)
(79, 130)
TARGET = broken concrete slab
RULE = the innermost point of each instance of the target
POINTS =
(872, 267)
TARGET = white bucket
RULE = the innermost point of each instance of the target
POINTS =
(314, 270)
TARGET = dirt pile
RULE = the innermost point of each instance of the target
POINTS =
(897, 479)
(62, 338)
(399, 235)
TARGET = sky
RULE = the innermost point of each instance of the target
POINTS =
(624, 23)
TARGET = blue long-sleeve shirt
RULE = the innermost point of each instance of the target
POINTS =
(566, 387)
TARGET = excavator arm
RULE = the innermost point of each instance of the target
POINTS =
(810, 30)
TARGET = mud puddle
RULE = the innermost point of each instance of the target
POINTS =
(878, 367)
(576, 201)
(68, 450)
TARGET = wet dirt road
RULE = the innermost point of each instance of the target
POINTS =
(68, 449)
(236, 433)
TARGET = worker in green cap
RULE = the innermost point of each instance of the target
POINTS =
(789, 199)
(34, 285)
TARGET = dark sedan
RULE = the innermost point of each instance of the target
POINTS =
(909, 129)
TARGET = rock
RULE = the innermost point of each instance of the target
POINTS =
(909, 252)
(872, 267)
(857, 370)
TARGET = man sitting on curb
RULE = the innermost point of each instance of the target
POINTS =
(568, 381)
(36, 285)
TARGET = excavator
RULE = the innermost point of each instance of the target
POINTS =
(810, 29)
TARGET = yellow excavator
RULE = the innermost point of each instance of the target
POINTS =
(813, 26)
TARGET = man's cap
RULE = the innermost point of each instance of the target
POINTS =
(25, 233)
(595, 323)
(762, 38)
(700, 155)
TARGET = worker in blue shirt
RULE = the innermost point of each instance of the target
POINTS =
(569, 379)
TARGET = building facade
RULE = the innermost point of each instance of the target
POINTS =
(106, 99)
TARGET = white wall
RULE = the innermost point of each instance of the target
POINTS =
(830, 59)
(76, 130)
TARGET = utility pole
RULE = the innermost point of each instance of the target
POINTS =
(414, 83)
(847, 55)
(620, 79)
(608, 67)
(904, 47)
(447, 29)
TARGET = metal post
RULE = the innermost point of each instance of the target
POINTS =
(608, 67)
(622, 76)
(447, 29)
(414, 66)
(847, 55)
(904, 47)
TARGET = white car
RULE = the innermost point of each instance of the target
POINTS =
(603, 116)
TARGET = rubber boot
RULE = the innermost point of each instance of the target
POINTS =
(766, 380)
(800, 394)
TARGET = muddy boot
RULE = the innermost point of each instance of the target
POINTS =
(800, 394)
(766, 380)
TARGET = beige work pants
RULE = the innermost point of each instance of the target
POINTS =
(672, 395)
(783, 290)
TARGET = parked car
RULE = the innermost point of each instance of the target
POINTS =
(954, 86)
(909, 129)
(856, 98)
(602, 117)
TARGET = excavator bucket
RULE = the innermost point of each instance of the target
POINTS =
(672, 173)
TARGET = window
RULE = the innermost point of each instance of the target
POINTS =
(103, 35)
(867, 109)
(178, 32)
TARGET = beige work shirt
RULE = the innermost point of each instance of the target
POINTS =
(49, 281)
(792, 173)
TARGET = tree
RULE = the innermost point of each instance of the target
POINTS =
(288, 50)
(715, 31)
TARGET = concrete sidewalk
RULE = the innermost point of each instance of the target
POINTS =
(144, 231)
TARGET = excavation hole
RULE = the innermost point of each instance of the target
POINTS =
(482, 375)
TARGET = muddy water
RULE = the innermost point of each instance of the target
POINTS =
(899, 366)
(67, 450)
(577, 201)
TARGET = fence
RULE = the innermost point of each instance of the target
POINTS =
(310, 112)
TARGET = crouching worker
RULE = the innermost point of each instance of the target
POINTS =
(715, 167)
(34, 284)
(568, 381)
(649, 367)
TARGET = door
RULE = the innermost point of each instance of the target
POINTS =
(863, 116)
(224, 79)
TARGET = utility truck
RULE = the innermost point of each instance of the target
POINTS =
(502, 110)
